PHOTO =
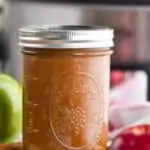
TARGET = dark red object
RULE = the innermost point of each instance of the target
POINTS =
(111, 127)
(135, 138)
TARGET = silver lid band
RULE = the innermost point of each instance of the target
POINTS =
(58, 37)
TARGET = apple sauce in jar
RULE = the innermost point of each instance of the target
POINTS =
(65, 86)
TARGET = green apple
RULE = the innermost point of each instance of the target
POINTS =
(10, 109)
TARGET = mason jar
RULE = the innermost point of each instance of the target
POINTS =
(65, 86)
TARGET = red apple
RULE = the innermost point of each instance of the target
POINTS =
(135, 138)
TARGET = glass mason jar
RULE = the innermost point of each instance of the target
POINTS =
(65, 86)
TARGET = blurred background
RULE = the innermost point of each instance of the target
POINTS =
(130, 67)
(131, 21)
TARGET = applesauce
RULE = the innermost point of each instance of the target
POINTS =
(65, 87)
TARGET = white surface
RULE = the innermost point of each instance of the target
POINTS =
(124, 115)
(133, 90)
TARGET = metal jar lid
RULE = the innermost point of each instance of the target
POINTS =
(72, 37)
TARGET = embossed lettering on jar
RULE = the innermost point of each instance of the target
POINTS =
(66, 86)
